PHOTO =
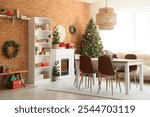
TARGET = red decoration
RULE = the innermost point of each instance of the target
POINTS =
(44, 64)
(22, 84)
(16, 84)
(8, 13)
(68, 45)
(81, 74)
(7, 70)
(61, 45)
(42, 49)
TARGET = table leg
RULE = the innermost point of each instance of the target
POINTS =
(141, 76)
(127, 79)
(77, 73)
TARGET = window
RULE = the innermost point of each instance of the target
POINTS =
(132, 31)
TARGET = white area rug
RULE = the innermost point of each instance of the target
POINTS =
(66, 86)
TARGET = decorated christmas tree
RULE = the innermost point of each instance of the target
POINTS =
(56, 37)
(91, 44)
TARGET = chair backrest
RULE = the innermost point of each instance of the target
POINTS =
(114, 56)
(105, 66)
(86, 65)
(131, 56)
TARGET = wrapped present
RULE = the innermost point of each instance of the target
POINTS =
(6, 69)
(16, 84)
(11, 78)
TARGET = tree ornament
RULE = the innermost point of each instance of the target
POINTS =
(6, 50)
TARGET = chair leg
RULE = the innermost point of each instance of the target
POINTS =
(109, 83)
(99, 84)
(116, 79)
(130, 83)
(74, 82)
(93, 81)
(134, 75)
(112, 85)
(80, 82)
(119, 84)
(91, 84)
(86, 81)
(106, 83)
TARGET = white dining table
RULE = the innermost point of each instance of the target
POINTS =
(118, 62)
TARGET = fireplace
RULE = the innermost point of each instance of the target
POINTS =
(64, 67)
(66, 61)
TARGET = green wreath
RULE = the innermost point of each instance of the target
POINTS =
(72, 29)
(6, 51)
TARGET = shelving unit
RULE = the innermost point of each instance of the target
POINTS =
(39, 58)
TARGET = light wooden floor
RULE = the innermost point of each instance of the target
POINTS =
(39, 92)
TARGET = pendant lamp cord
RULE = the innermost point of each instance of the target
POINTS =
(106, 4)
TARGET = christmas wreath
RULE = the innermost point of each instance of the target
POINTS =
(72, 29)
(6, 50)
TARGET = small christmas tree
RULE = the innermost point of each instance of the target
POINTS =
(55, 71)
(91, 44)
(56, 37)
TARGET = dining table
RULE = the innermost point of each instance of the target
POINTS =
(126, 63)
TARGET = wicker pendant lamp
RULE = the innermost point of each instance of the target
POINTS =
(106, 18)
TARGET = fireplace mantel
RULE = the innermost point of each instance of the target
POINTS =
(62, 54)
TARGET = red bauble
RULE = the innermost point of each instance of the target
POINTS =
(8, 13)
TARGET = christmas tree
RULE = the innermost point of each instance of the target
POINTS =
(91, 44)
(56, 37)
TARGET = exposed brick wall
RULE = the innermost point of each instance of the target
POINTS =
(64, 12)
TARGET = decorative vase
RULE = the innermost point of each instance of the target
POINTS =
(55, 46)
(54, 78)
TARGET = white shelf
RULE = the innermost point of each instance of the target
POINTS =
(37, 47)
(42, 67)
(42, 43)
(43, 55)
(13, 17)
(42, 30)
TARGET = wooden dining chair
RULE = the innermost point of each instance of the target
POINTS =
(132, 69)
(106, 70)
(86, 67)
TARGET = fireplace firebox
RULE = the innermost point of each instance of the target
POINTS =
(64, 67)
(66, 62)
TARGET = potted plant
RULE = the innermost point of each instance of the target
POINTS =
(55, 71)
(56, 39)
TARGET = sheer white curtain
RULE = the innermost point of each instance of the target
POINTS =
(142, 30)
(132, 31)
